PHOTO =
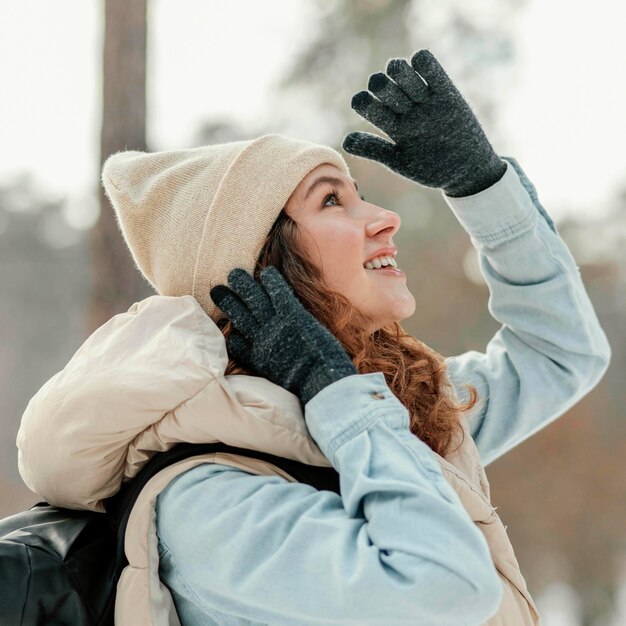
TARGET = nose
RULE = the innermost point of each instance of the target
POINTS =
(383, 220)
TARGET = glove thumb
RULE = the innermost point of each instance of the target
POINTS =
(370, 146)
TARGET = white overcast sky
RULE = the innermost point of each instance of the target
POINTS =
(565, 120)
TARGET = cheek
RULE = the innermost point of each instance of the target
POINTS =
(337, 247)
(343, 269)
(342, 255)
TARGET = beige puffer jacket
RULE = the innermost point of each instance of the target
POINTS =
(153, 377)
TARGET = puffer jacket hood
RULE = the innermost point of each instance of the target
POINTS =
(153, 377)
(144, 381)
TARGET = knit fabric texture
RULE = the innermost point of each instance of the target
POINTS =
(190, 216)
(439, 142)
(277, 337)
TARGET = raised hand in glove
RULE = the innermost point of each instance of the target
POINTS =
(276, 337)
(438, 139)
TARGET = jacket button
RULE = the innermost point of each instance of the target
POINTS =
(377, 395)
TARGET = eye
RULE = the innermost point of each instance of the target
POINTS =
(332, 195)
(335, 194)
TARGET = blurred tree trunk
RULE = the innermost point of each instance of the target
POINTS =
(116, 281)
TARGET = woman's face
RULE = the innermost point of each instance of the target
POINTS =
(340, 232)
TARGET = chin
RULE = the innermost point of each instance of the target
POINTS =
(398, 316)
(404, 310)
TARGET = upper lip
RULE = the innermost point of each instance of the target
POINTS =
(386, 251)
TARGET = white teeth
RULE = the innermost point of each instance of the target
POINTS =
(379, 262)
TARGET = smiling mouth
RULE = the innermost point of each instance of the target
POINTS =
(388, 271)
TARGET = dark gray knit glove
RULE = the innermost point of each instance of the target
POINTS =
(438, 139)
(276, 337)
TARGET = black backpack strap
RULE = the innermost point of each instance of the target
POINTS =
(119, 506)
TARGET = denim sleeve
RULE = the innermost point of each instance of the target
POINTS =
(550, 350)
(394, 548)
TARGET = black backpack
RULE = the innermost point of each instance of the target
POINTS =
(61, 566)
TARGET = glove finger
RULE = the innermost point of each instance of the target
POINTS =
(249, 290)
(218, 294)
(375, 112)
(239, 349)
(389, 93)
(431, 71)
(228, 301)
(410, 82)
(370, 146)
(280, 292)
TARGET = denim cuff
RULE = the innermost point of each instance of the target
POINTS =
(503, 211)
(348, 406)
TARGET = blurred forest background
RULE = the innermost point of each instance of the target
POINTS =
(561, 493)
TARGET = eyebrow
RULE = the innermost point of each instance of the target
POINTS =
(327, 179)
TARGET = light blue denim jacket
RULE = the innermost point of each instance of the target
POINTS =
(397, 547)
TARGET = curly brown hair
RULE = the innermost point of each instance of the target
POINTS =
(415, 373)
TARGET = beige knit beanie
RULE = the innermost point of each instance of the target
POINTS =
(191, 216)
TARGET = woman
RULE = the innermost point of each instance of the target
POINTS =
(317, 370)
